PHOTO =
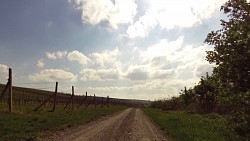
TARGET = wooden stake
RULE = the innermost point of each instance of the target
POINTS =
(90, 102)
(44, 102)
(107, 101)
(55, 94)
(10, 90)
(73, 93)
(70, 98)
(83, 100)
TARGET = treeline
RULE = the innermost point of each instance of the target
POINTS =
(227, 89)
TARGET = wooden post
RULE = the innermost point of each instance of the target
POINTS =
(47, 100)
(102, 102)
(107, 101)
(73, 93)
(83, 100)
(10, 90)
(54, 102)
(90, 102)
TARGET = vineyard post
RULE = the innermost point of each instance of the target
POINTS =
(107, 101)
(83, 100)
(10, 90)
(22, 98)
(90, 102)
(72, 95)
(102, 102)
(54, 102)
(73, 92)
(44, 102)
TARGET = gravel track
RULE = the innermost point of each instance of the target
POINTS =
(129, 125)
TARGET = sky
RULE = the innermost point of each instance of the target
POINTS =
(133, 49)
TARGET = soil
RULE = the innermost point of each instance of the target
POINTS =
(129, 125)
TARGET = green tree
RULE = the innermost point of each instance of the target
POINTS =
(232, 47)
(207, 92)
(232, 57)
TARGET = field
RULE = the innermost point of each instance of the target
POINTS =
(25, 124)
(28, 96)
(182, 126)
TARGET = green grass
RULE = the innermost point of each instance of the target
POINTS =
(182, 126)
(28, 125)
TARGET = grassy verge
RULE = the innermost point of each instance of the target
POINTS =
(183, 126)
(28, 125)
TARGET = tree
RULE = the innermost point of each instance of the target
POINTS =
(232, 57)
(207, 92)
(232, 47)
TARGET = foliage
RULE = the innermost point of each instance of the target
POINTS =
(232, 47)
(227, 89)
(231, 55)
(167, 104)
(189, 127)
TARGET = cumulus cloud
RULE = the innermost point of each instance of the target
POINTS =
(163, 48)
(97, 11)
(143, 26)
(137, 73)
(79, 57)
(56, 55)
(4, 70)
(168, 14)
(154, 89)
(40, 63)
(53, 75)
(164, 67)
(99, 75)
(169, 60)
(163, 74)
(159, 62)
(203, 68)
(107, 58)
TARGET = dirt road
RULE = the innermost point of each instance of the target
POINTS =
(128, 125)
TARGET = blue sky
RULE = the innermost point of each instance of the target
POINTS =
(137, 49)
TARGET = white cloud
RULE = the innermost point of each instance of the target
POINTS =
(99, 75)
(143, 26)
(96, 11)
(53, 75)
(56, 55)
(79, 57)
(168, 60)
(169, 14)
(203, 68)
(163, 74)
(163, 69)
(40, 63)
(107, 58)
(138, 73)
(154, 89)
(159, 62)
(4, 70)
(163, 48)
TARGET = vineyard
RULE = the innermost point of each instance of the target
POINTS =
(40, 99)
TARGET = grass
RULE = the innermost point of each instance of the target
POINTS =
(182, 126)
(26, 124)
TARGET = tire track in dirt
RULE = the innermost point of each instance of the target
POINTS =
(128, 125)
